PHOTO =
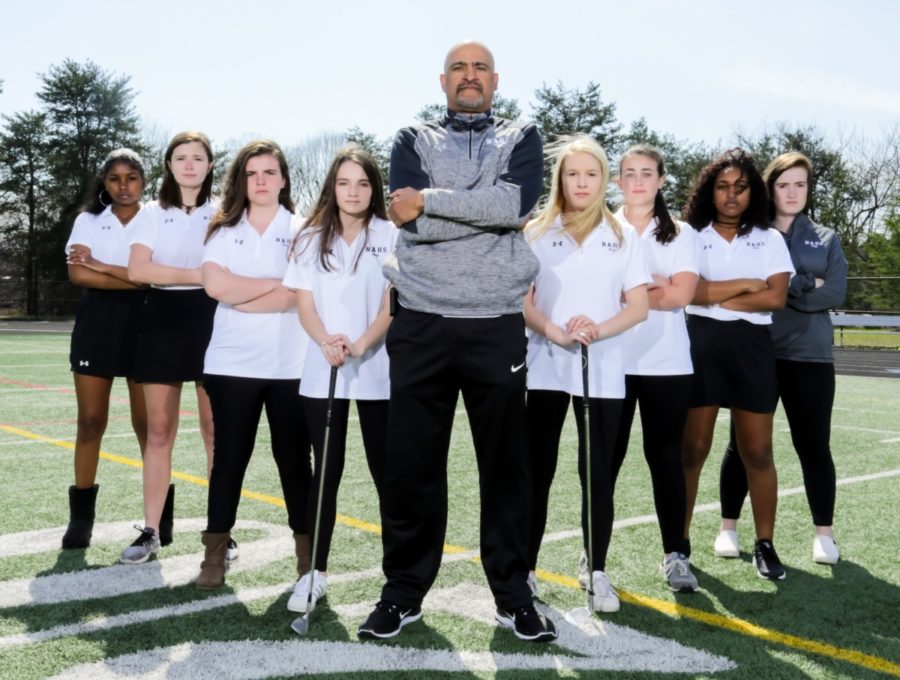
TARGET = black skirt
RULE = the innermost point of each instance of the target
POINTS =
(734, 365)
(175, 329)
(104, 339)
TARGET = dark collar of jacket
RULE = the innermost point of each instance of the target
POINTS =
(465, 122)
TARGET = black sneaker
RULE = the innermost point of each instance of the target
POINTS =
(143, 547)
(766, 561)
(527, 624)
(388, 620)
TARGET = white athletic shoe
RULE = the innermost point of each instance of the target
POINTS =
(531, 580)
(300, 597)
(605, 597)
(727, 544)
(825, 550)
(583, 574)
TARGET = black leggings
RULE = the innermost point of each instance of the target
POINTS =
(807, 395)
(546, 415)
(237, 405)
(373, 418)
(664, 401)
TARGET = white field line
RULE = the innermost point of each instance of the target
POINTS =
(3, 366)
(710, 507)
(890, 441)
(599, 646)
(118, 579)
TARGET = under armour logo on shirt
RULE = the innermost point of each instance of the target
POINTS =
(84, 363)
(239, 241)
(106, 227)
(168, 219)
(558, 243)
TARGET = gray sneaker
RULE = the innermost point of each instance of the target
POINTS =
(677, 570)
(143, 547)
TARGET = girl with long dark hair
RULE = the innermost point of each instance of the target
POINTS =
(104, 339)
(255, 356)
(176, 322)
(342, 298)
(744, 272)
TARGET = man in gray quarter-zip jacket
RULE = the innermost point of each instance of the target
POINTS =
(461, 188)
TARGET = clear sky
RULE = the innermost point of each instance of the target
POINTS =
(698, 69)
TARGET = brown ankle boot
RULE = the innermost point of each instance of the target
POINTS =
(213, 567)
(303, 552)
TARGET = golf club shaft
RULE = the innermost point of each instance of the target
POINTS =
(587, 475)
(315, 542)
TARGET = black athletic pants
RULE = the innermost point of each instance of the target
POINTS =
(433, 359)
(373, 418)
(546, 416)
(664, 402)
(807, 395)
(237, 405)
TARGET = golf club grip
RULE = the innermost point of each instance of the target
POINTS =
(584, 372)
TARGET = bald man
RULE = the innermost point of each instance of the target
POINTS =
(461, 187)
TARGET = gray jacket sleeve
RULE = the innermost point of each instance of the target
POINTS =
(831, 293)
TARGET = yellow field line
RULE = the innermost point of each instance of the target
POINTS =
(673, 609)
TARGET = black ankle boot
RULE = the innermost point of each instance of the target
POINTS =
(167, 519)
(81, 517)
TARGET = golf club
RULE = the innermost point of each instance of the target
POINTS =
(300, 625)
(587, 474)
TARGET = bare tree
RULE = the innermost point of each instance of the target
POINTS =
(308, 162)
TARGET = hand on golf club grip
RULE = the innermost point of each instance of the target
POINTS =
(336, 348)
(560, 336)
(582, 328)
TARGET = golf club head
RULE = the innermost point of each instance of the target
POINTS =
(300, 625)
(579, 616)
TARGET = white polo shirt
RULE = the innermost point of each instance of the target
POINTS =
(268, 345)
(588, 279)
(347, 301)
(108, 239)
(660, 345)
(175, 237)
(758, 254)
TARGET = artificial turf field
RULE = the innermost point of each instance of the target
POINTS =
(79, 614)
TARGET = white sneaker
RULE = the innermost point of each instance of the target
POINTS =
(726, 544)
(300, 597)
(531, 580)
(605, 597)
(583, 574)
(825, 550)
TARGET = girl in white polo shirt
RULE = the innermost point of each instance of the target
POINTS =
(255, 355)
(343, 303)
(104, 338)
(657, 351)
(744, 272)
(588, 263)
(166, 248)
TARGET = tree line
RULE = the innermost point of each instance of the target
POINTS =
(49, 155)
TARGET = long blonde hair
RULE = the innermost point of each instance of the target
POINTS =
(587, 220)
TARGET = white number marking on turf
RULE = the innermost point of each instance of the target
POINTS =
(603, 646)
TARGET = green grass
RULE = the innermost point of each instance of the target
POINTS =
(852, 607)
(868, 338)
